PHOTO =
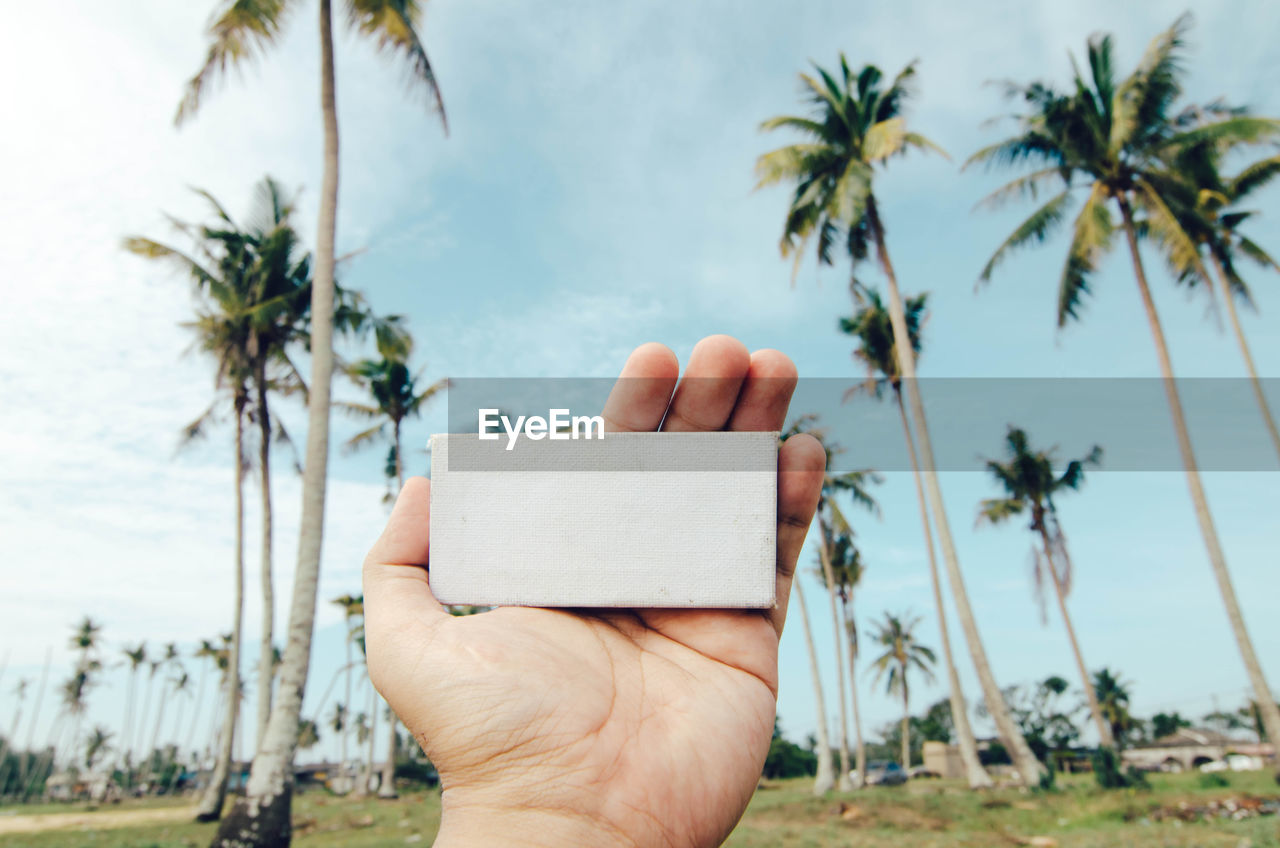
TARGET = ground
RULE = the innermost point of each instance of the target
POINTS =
(1177, 811)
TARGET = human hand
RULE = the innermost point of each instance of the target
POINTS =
(599, 727)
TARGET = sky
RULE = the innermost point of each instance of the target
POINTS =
(594, 192)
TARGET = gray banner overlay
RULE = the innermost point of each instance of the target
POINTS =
(1129, 418)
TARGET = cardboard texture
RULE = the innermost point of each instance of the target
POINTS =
(629, 520)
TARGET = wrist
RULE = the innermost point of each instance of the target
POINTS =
(464, 825)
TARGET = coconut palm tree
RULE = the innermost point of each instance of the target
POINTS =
(396, 396)
(902, 652)
(1030, 482)
(241, 30)
(1110, 139)
(262, 296)
(857, 124)
(872, 328)
(352, 614)
(168, 661)
(1209, 207)
(824, 778)
(96, 744)
(846, 573)
(833, 524)
(135, 657)
(1113, 700)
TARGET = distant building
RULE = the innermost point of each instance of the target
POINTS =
(1190, 748)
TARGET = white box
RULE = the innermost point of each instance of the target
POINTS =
(627, 520)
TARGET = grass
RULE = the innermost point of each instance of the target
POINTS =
(784, 815)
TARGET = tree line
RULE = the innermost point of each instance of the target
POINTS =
(1143, 166)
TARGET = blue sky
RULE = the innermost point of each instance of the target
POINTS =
(595, 193)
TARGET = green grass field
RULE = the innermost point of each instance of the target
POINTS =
(924, 813)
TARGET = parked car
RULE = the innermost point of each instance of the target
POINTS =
(885, 773)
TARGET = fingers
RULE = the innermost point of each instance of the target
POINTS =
(397, 597)
(705, 398)
(801, 467)
(639, 399)
(763, 401)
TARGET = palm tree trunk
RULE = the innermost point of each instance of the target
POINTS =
(859, 745)
(974, 772)
(346, 723)
(215, 795)
(262, 817)
(266, 652)
(123, 752)
(1104, 729)
(399, 459)
(1029, 768)
(367, 779)
(140, 726)
(906, 728)
(824, 556)
(825, 778)
(1263, 407)
(28, 758)
(1217, 560)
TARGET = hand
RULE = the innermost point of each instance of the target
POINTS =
(605, 727)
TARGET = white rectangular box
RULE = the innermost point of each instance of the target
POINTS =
(627, 520)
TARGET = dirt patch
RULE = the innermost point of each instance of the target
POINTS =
(96, 820)
(1232, 809)
(902, 818)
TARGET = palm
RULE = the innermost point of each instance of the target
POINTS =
(606, 685)
(649, 725)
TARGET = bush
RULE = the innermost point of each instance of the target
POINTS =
(1107, 771)
(1213, 780)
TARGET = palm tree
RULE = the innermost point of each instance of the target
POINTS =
(96, 744)
(896, 634)
(824, 779)
(1113, 701)
(831, 524)
(1210, 211)
(308, 734)
(135, 657)
(846, 573)
(260, 285)
(857, 125)
(169, 660)
(240, 30)
(1030, 482)
(872, 327)
(352, 614)
(1112, 139)
(396, 397)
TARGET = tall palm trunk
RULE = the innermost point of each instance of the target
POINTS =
(825, 778)
(266, 651)
(140, 725)
(974, 772)
(824, 556)
(262, 818)
(215, 795)
(906, 728)
(1104, 729)
(1244, 351)
(29, 758)
(1218, 561)
(1029, 768)
(155, 733)
(387, 784)
(366, 779)
(125, 725)
(859, 744)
